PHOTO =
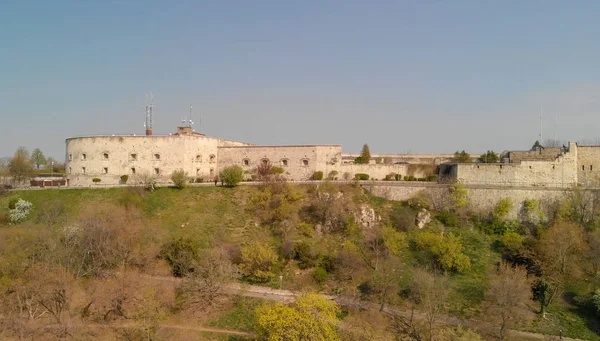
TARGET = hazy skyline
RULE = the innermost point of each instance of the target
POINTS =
(419, 76)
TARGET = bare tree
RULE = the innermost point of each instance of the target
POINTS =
(428, 292)
(506, 297)
(205, 284)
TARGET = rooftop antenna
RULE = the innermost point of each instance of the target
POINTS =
(149, 108)
(191, 123)
(541, 126)
(555, 124)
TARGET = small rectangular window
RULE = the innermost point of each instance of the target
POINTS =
(133, 170)
(157, 156)
(590, 168)
(133, 156)
(105, 156)
(582, 167)
(105, 170)
(82, 170)
(69, 170)
(197, 171)
(157, 171)
(70, 157)
(84, 156)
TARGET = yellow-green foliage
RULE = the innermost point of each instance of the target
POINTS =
(458, 195)
(419, 200)
(258, 260)
(502, 208)
(446, 251)
(512, 241)
(232, 175)
(179, 178)
(458, 334)
(311, 317)
(394, 241)
(275, 202)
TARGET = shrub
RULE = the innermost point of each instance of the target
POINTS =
(320, 275)
(318, 175)
(398, 177)
(512, 241)
(361, 176)
(96, 180)
(232, 175)
(277, 170)
(391, 176)
(445, 251)
(179, 178)
(305, 255)
(199, 180)
(181, 255)
(420, 200)
(3, 218)
(257, 262)
(502, 208)
(20, 212)
(332, 175)
(433, 178)
(12, 203)
(448, 219)
(124, 178)
(409, 178)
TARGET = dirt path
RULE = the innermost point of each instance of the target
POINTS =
(287, 296)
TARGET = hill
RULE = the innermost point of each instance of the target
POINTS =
(136, 263)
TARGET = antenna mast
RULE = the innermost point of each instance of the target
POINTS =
(149, 108)
(541, 126)
(191, 123)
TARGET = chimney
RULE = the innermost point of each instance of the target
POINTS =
(148, 131)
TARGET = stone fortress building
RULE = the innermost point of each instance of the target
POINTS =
(203, 157)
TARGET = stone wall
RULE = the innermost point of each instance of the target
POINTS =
(481, 198)
(560, 171)
(298, 162)
(588, 167)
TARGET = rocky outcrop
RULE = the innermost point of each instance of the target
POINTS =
(423, 218)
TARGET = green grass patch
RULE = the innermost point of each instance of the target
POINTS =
(241, 316)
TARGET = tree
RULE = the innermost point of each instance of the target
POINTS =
(490, 157)
(38, 158)
(507, 295)
(20, 166)
(365, 155)
(232, 175)
(458, 196)
(536, 145)
(557, 253)
(444, 250)
(428, 292)
(311, 317)
(200, 288)
(462, 157)
(258, 260)
(179, 178)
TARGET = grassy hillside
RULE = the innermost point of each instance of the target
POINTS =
(107, 247)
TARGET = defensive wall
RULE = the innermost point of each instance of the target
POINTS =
(481, 198)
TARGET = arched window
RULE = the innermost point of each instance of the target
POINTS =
(246, 162)
(199, 158)
(305, 162)
(105, 156)
(212, 158)
(284, 162)
(157, 156)
(265, 161)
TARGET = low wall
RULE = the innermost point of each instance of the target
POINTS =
(481, 198)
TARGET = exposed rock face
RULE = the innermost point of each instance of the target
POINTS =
(366, 217)
(423, 218)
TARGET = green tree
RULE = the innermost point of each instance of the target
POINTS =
(179, 178)
(232, 175)
(258, 260)
(38, 158)
(502, 208)
(462, 157)
(365, 155)
(536, 145)
(311, 317)
(20, 166)
(490, 157)
(458, 196)
(444, 250)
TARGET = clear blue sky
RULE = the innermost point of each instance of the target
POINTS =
(420, 76)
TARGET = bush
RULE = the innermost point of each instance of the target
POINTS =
(409, 178)
(96, 180)
(124, 178)
(20, 212)
(391, 176)
(232, 175)
(181, 255)
(433, 178)
(318, 175)
(502, 208)
(402, 218)
(277, 170)
(361, 176)
(448, 219)
(12, 203)
(445, 251)
(320, 275)
(332, 175)
(257, 262)
(179, 178)
(398, 177)
(199, 180)
(305, 255)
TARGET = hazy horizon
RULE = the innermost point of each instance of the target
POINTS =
(421, 77)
